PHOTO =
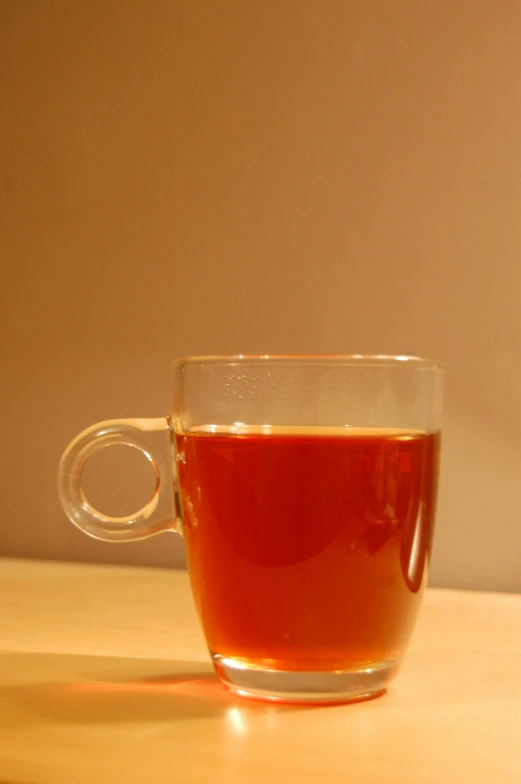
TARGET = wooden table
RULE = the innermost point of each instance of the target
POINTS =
(105, 677)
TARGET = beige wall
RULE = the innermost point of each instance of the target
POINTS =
(292, 175)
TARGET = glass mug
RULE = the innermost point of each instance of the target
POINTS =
(305, 490)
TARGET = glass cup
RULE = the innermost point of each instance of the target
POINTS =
(305, 490)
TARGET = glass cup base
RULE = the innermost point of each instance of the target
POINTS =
(295, 686)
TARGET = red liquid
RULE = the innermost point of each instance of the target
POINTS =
(308, 549)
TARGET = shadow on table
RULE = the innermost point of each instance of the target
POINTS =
(48, 687)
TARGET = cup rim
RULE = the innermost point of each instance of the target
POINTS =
(369, 360)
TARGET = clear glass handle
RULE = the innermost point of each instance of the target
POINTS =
(139, 525)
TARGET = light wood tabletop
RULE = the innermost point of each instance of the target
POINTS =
(105, 677)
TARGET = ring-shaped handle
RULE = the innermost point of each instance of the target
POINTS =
(141, 524)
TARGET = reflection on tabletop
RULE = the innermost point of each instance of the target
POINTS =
(77, 689)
